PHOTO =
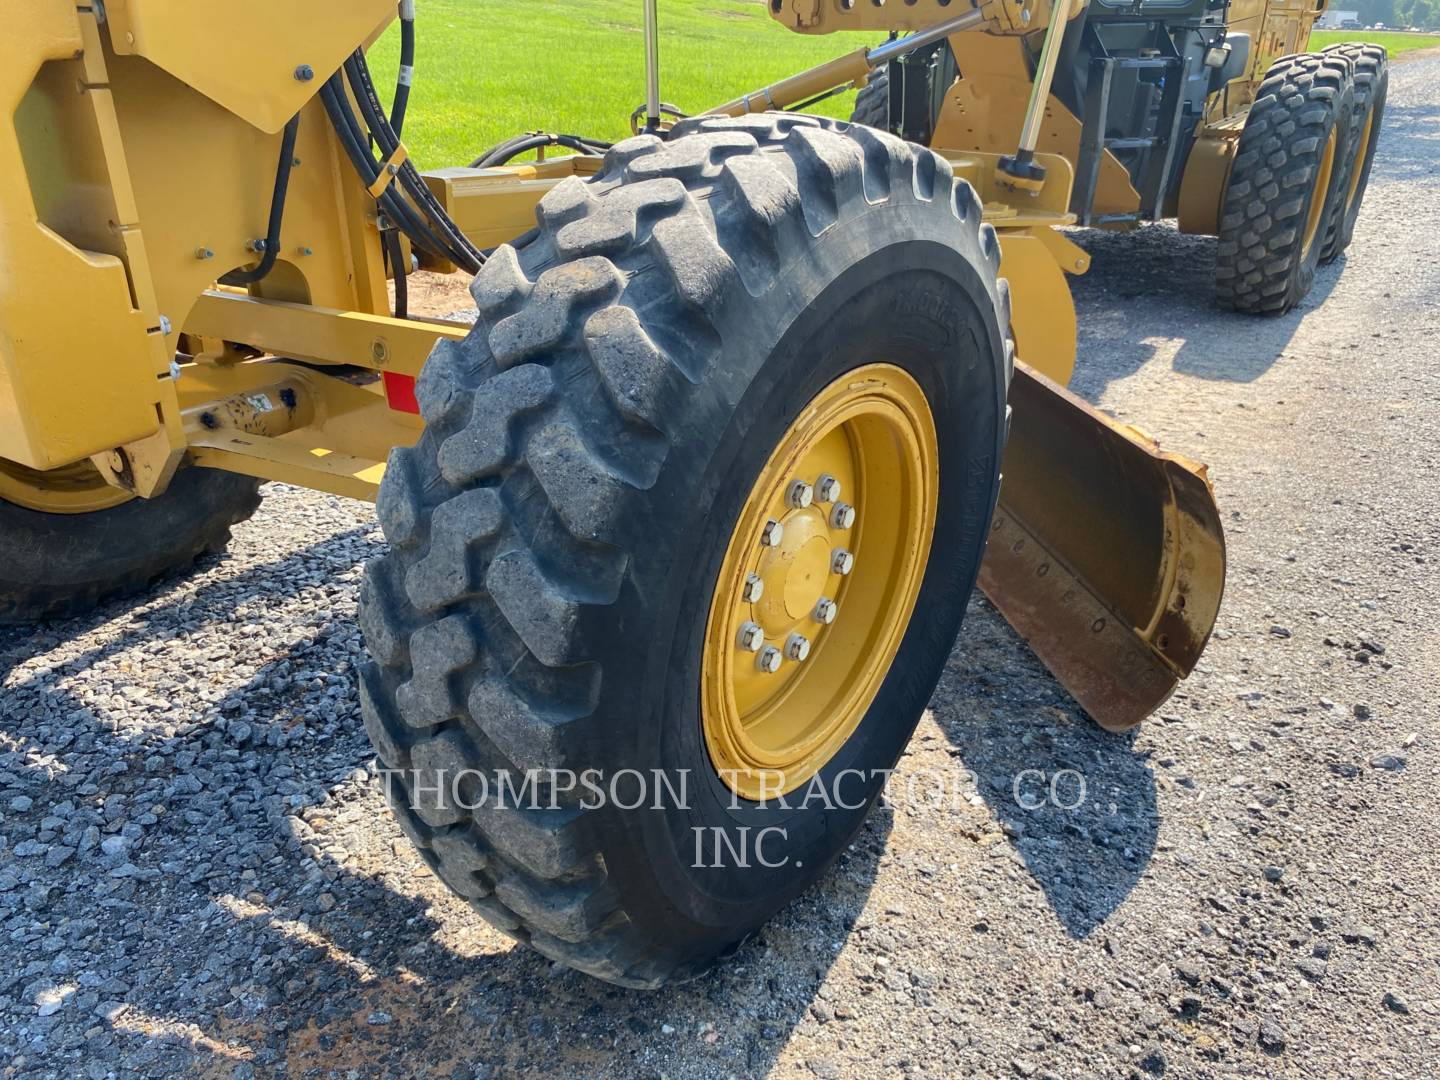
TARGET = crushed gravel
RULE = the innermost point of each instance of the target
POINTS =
(198, 874)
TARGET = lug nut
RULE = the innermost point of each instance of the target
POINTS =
(842, 516)
(827, 488)
(825, 611)
(770, 535)
(842, 561)
(797, 647)
(753, 589)
(751, 637)
(800, 495)
(769, 660)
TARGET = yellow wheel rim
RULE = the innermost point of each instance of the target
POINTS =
(1318, 200)
(74, 489)
(1362, 154)
(842, 514)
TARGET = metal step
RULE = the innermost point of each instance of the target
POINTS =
(1131, 144)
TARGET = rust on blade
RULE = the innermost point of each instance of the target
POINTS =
(1106, 553)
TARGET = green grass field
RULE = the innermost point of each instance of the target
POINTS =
(487, 69)
(490, 69)
(1396, 43)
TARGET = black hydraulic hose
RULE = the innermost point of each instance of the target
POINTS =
(358, 74)
(406, 74)
(396, 254)
(347, 128)
(277, 211)
(513, 148)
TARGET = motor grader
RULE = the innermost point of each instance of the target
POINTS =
(1206, 111)
(703, 494)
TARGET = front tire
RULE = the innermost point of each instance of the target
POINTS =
(1283, 185)
(559, 530)
(872, 103)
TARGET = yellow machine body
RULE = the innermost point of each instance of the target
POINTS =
(140, 163)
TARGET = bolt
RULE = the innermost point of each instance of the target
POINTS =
(753, 589)
(842, 561)
(751, 636)
(772, 533)
(379, 351)
(257, 246)
(165, 325)
(842, 516)
(797, 647)
(827, 488)
(769, 660)
(825, 611)
(203, 253)
(304, 73)
(307, 251)
(800, 495)
(1025, 17)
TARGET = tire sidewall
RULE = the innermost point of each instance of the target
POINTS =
(1374, 108)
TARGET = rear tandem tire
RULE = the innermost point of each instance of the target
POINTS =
(60, 565)
(558, 530)
(1272, 231)
(1372, 80)
(872, 103)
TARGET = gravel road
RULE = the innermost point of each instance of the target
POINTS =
(198, 875)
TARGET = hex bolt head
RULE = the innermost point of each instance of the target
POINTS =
(751, 636)
(769, 660)
(797, 646)
(800, 494)
(827, 488)
(842, 516)
(304, 73)
(842, 561)
(754, 588)
(771, 535)
(825, 611)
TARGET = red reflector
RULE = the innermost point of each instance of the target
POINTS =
(400, 392)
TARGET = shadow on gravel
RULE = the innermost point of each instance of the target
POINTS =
(1150, 296)
(273, 916)
(1077, 802)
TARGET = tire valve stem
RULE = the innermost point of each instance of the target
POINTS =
(842, 561)
(769, 660)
